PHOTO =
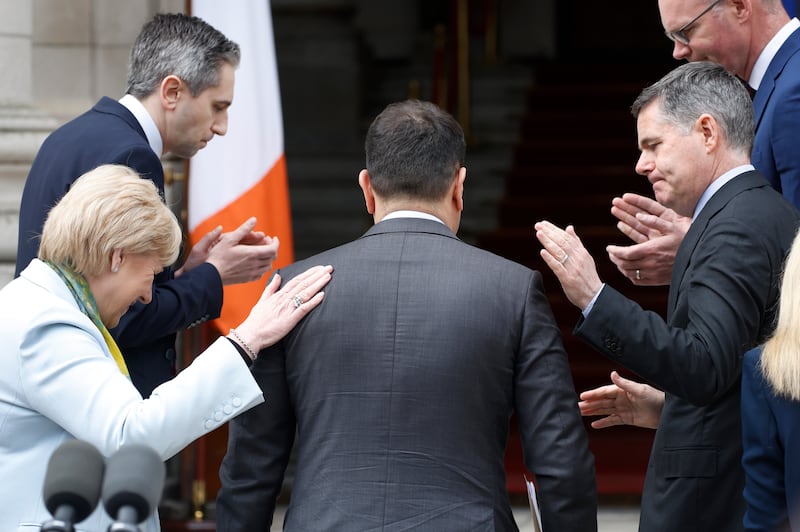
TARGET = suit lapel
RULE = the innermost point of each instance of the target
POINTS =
(774, 70)
(715, 204)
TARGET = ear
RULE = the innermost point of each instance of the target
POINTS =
(458, 188)
(117, 258)
(366, 188)
(170, 91)
(709, 128)
(742, 9)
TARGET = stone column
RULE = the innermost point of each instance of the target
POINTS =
(22, 127)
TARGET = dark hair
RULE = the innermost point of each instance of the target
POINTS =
(180, 45)
(701, 87)
(413, 150)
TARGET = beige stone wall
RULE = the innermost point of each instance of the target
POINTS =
(57, 57)
(80, 49)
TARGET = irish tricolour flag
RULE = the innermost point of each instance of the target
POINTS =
(243, 174)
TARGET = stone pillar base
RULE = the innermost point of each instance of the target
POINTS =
(22, 131)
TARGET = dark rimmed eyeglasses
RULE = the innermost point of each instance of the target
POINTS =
(680, 35)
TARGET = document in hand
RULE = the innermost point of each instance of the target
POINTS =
(536, 516)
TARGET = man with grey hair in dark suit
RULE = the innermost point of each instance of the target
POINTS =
(401, 386)
(695, 131)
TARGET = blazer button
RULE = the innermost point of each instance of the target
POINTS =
(169, 354)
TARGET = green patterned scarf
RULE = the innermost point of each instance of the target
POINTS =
(83, 296)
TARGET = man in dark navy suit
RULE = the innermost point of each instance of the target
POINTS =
(180, 85)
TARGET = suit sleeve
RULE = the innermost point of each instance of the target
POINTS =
(259, 446)
(763, 453)
(553, 435)
(721, 300)
(68, 377)
(783, 133)
(194, 297)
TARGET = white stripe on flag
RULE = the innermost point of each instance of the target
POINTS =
(230, 165)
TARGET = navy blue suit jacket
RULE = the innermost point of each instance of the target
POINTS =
(109, 133)
(777, 113)
(771, 437)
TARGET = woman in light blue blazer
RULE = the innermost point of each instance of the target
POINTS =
(771, 416)
(61, 374)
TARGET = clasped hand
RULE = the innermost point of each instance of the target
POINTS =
(240, 256)
(657, 232)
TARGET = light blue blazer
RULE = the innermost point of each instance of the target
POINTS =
(59, 381)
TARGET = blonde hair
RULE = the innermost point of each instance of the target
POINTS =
(780, 357)
(108, 208)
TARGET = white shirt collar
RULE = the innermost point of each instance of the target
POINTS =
(411, 214)
(132, 104)
(717, 184)
(768, 53)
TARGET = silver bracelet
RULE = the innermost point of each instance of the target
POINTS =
(252, 354)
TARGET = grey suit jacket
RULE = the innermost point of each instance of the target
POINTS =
(722, 302)
(400, 386)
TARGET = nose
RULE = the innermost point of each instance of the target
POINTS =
(680, 50)
(220, 126)
(644, 165)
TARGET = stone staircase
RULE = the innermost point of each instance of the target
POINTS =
(327, 206)
(577, 150)
(548, 141)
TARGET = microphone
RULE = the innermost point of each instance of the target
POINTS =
(72, 484)
(132, 486)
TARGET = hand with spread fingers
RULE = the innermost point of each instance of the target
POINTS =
(570, 261)
(278, 311)
(657, 232)
(624, 402)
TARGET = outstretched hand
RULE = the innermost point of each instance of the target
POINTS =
(657, 232)
(564, 253)
(625, 402)
(278, 311)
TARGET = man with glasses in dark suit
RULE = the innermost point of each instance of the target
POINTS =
(759, 42)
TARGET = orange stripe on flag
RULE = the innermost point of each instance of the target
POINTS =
(268, 200)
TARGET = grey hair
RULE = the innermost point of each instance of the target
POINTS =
(693, 89)
(179, 45)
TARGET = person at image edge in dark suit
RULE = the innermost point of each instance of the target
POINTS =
(180, 85)
(400, 387)
(695, 132)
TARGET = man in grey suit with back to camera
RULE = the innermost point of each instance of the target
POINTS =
(695, 130)
(400, 388)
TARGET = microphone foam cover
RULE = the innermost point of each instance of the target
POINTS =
(73, 477)
(134, 477)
